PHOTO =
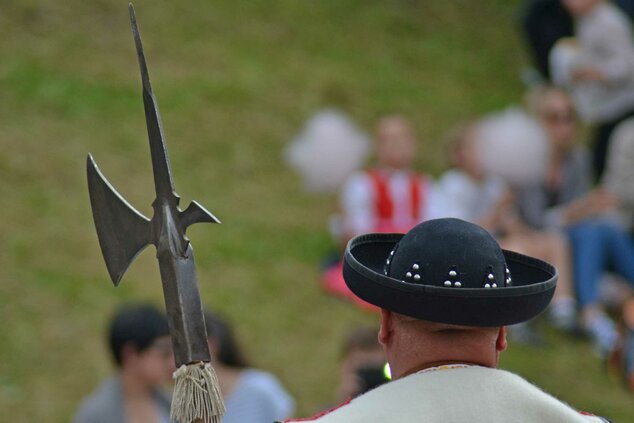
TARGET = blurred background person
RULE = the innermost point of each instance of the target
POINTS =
(363, 363)
(250, 395)
(474, 194)
(139, 341)
(544, 22)
(390, 196)
(565, 200)
(600, 71)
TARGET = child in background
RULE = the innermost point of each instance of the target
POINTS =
(388, 197)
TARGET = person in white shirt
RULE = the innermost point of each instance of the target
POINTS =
(388, 197)
(251, 395)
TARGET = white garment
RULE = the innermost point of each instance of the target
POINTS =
(468, 199)
(606, 43)
(457, 395)
(358, 202)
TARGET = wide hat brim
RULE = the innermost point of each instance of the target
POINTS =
(533, 286)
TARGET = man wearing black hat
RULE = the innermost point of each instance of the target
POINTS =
(446, 292)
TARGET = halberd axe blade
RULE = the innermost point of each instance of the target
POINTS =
(123, 232)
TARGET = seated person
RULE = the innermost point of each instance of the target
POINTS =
(142, 351)
(250, 395)
(387, 197)
(565, 200)
(390, 196)
(470, 193)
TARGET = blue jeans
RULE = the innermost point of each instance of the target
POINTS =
(599, 245)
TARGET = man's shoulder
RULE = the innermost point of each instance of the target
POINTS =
(474, 392)
(539, 398)
(321, 416)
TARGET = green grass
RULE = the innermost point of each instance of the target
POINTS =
(235, 82)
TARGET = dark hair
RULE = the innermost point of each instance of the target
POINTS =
(229, 352)
(136, 324)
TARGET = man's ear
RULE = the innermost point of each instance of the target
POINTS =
(500, 343)
(386, 327)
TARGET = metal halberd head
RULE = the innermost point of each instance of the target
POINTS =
(124, 232)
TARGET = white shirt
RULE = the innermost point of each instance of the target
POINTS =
(468, 199)
(358, 202)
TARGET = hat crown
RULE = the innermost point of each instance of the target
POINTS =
(449, 253)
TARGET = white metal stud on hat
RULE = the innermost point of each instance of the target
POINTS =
(447, 283)
(458, 284)
(416, 277)
(408, 274)
(415, 266)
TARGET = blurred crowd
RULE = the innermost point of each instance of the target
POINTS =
(140, 388)
(552, 178)
(139, 391)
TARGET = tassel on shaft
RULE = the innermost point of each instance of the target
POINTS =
(197, 396)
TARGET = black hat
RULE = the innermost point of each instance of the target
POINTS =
(448, 271)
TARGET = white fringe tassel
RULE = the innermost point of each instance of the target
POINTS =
(197, 396)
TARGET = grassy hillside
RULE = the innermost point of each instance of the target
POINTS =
(235, 82)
